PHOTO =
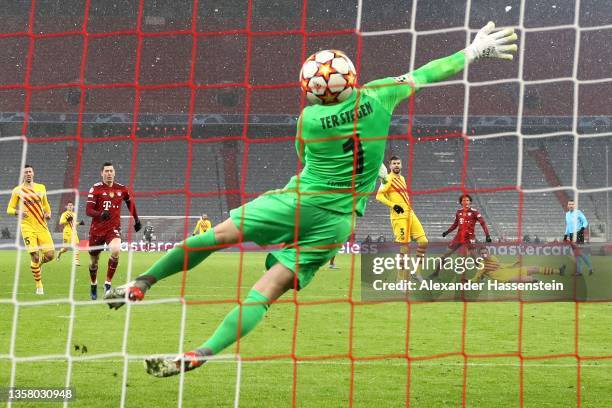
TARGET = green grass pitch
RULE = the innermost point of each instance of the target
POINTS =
(322, 329)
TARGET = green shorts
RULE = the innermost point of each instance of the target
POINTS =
(271, 219)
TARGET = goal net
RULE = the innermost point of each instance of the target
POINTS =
(196, 104)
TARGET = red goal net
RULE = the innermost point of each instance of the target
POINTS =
(197, 103)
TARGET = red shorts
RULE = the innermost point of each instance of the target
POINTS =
(465, 245)
(101, 238)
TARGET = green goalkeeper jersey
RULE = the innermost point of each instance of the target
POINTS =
(342, 146)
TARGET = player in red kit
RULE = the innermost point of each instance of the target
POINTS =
(104, 207)
(465, 218)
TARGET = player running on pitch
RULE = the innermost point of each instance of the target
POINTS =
(104, 207)
(70, 232)
(465, 218)
(342, 146)
(29, 203)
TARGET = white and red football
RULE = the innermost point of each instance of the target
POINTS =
(328, 77)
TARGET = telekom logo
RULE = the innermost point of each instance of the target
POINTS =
(106, 205)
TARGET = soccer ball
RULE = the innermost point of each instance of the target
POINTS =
(328, 77)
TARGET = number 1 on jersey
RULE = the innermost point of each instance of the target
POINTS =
(349, 146)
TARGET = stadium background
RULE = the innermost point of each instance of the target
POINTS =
(59, 146)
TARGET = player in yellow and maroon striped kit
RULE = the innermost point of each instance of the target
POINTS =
(29, 202)
(70, 232)
(393, 192)
(511, 272)
(202, 225)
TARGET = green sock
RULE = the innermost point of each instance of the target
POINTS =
(174, 260)
(227, 332)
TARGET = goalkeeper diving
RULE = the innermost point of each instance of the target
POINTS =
(341, 146)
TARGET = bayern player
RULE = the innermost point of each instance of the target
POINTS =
(465, 218)
(104, 207)
(341, 144)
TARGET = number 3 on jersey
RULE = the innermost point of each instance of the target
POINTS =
(349, 146)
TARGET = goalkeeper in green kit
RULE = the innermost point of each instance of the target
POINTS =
(341, 142)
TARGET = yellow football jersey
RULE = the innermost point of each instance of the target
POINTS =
(69, 227)
(202, 226)
(33, 200)
(395, 192)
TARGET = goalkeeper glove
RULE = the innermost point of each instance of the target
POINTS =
(445, 233)
(137, 225)
(398, 209)
(105, 215)
(382, 174)
(488, 238)
(490, 44)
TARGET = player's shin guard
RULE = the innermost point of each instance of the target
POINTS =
(178, 259)
(254, 308)
(112, 267)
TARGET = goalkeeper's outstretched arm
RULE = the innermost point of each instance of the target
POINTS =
(489, 43)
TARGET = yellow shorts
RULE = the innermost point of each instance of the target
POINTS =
(68, 239)
(406, 228)
(39, 240)
(505, 274)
